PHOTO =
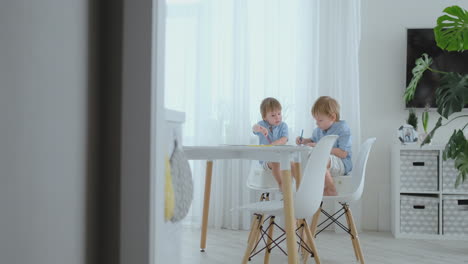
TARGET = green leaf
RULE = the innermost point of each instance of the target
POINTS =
(451, 32)
(425, 120)
(455, 145)
(451, 96)
(457, 149)
(422, 64)
(461, 163)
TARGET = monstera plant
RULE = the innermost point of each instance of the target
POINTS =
(451, 34)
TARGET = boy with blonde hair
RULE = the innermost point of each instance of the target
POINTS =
(326, 112)
(271, 131)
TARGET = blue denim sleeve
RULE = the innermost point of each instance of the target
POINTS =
(284, 131)
(314, 137)
(344, 140)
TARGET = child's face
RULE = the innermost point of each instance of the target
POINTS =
(274, 117)
(324, 122)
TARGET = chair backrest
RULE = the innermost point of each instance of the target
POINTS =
(358, 173)
(260, 179)
(309, 195)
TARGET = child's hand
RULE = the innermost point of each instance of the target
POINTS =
(299, 140)
(311, 144)
(264, 131)
(258, 128)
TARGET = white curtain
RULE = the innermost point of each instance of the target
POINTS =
(224, 56)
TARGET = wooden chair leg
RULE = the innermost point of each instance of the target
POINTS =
(313, 227)
(254, 221)
(266, 260)
(302, 234)
(251, 243)
(354, 237)
(311, 242)
(262, 198)
(258, 235)
(314, 222)
(352, 240)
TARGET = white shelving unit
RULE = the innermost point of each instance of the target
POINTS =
(425, 203)
(168, 234)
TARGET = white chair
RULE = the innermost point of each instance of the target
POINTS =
(261, 180)
(344, 197)
(307, 200)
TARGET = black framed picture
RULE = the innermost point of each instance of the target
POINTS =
(407, 134)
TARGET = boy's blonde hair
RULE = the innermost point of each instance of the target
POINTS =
(269, 104)
(325, 105)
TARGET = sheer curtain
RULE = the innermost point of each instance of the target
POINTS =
(224, 56)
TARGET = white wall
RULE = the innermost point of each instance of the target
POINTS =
(45, 132)
(143, 134)
(382, 74)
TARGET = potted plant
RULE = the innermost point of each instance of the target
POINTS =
(451, 34)
(425, 123)
(412, 119)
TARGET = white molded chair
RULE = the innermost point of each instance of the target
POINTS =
(344, 197)
(263, 180)
(307, 200)
(260, 179)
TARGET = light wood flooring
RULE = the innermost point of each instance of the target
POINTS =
(227, 246)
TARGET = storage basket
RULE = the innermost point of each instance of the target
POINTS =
(419, 170)
(419, 214)
(455, 215)
(450, 174)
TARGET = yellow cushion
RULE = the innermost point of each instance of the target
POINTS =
(168, 192)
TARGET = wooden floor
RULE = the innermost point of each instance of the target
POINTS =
(227, 246)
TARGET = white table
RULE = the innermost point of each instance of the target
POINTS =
(282, 154)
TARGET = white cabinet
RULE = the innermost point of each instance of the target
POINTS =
(168, 235)
(425, 202)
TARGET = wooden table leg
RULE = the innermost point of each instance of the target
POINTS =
(289, 216)
(296, 167)
(206, 204)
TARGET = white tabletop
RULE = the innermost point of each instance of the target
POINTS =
(251, 152)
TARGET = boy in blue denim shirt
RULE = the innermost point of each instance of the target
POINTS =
(271, 131)
(326, 112)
